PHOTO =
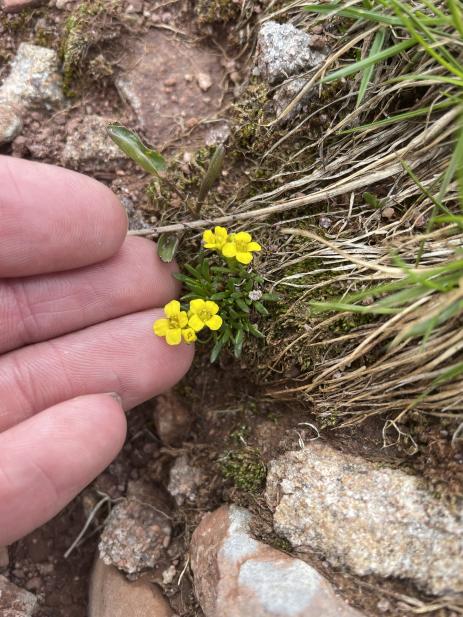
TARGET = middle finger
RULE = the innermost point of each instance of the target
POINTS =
(121, 355)
(39, 308)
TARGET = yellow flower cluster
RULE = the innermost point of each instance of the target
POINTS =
(179, 325)
(239, 246)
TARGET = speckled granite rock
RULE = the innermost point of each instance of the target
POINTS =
(34, 78)
(284, 51)
(34, 81)
(184, 480)
(15, 602)
(236, 576)
(135, 536)
(89, 146)
(370, 518)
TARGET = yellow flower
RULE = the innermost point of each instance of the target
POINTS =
(204, 313)
(215, 240)
(241, 247)
(175, 326)
(189, 335)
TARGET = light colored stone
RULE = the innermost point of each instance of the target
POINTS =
(33, 82)
(112, 595)
(184, 480)
(285, 51)
(10, 124)
(204, 81)
(171, 419)
(15, 6)
(135, 535)
(15, 602)
(370, 518)
(89, 146)
(34, 79)
(236, 576)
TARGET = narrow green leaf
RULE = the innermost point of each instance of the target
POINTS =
(242, 305)
(130, 143)
(167, 247)
(213, 172)
(239, 340)
(376, 47)
(361, 65)
(215, 353)
(371, 200)
(260, 308)
(366, 15)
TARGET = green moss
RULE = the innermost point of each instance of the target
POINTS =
(85, 27)
(216, 11)
(245, 468)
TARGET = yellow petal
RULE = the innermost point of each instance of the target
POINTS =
(196, 306)
(215, 322)
(189, 335)
(210, 245)
(172, 309)
(243, 236)
(244, 258)
(211, 307)
(229, 250)
(182, 319)
(254, 246)
(208, 236)
(174, 336)
(221, 233)
(160, 327)
(196, 323)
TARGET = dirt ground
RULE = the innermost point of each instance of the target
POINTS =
(227, 407)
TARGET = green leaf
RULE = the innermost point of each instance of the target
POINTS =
(130, 143)
(361, 65)
(215, 353)
(255, 332)
(239, 340)
(260, 308)
(375, 48)
(371, 200)
(271, 297)
(167, 247)
(242, 305)
(213, 172)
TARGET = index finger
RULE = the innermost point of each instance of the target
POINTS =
(52, 219)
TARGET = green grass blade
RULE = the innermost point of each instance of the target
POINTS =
(376, 47)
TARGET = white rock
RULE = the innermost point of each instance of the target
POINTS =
(284, 51)
(34, 79)
(370, 518)
(89, 146)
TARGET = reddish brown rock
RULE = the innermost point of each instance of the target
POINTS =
(236, 576)
(14, 6)
(15, 602)
(112, 595)
(171, 419)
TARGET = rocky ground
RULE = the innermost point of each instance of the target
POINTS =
(223, 503)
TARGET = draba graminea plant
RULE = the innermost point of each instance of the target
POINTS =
(223, 295)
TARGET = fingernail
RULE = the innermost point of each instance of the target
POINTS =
(115, 396)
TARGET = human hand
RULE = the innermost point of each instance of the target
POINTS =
(77, 304)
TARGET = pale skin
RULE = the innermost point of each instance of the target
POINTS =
(77, 302)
